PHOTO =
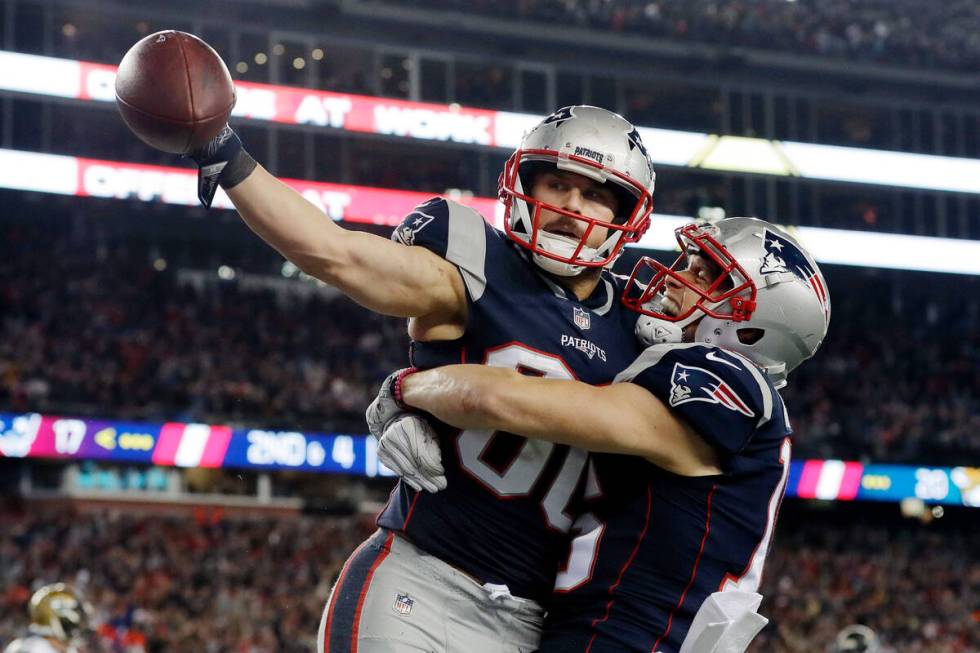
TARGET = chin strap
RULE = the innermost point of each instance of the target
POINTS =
(777, 374)
(653, 331)
(561, 247)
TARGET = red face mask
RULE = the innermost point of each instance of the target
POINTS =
(731, 295)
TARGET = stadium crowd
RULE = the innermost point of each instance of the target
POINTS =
(180, 584)
(916, 588)
(257, 585)
(104, 333)
(894, 32)
(907, 32)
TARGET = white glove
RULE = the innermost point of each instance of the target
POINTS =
(409, 448)
(387, 405)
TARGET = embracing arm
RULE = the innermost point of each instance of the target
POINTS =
(379, 274)
(620, 418)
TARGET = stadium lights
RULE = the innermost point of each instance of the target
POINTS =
(68, 175)
(24, 73)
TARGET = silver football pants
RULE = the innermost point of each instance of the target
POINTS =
(391, 597)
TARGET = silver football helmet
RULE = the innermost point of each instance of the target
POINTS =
(769, 300)
(597, 144)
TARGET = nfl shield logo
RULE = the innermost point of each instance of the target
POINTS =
(582, 319)
(403, 604)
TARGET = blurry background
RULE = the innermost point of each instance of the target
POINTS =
(181, 413)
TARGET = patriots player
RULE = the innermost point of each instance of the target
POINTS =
(466, 570)
(693, 442)
(59, 621)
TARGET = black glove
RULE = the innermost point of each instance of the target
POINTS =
(221, 162)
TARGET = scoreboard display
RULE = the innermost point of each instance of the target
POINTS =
(178, 444)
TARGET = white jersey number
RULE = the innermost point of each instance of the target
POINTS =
(588, 532)
(752, 576)
(524, 471)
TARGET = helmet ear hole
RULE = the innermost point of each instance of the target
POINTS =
(750, 336)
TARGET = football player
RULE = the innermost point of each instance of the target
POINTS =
(857, 638)
(466, 570)
(59, 621)
(669, 554)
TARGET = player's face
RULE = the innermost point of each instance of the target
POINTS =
(575, 194)
(700, 272)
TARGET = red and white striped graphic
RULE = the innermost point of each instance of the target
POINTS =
(191, 445)
(830, 479)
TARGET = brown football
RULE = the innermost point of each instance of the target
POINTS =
(174, 91)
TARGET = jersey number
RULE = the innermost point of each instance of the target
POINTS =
(525, 469)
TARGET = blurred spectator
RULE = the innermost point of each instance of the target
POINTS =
(894, 32)
(103, 333)
(178, 584)
(258, 585)
(907, 32)
(899, 376)
(917, 589)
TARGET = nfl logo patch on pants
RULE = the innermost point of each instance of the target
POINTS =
(403, 604)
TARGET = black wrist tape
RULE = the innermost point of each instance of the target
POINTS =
(239, 167)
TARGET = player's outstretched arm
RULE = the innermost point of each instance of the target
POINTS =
(620, 418)
(382, 275)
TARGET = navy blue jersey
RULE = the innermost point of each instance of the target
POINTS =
(511, 501)
(655, 545)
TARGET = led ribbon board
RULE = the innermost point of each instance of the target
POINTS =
(49, 76)
(838, 480)
(68, 175)
(175, 444)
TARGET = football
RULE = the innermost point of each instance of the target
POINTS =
(174, 91)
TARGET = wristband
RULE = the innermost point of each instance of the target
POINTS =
(397, 386)
(222, 162)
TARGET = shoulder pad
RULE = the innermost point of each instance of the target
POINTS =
(453, 231)
(722, 394)
(422, 216)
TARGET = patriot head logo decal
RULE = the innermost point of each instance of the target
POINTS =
(636, 142)
(688, 383)
(416, 222)
(784, 256)
(558, 117)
